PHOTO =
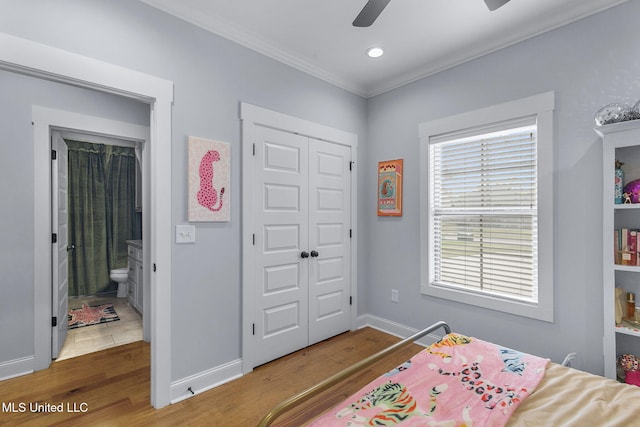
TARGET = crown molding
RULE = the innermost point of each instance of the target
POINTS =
(234, 33)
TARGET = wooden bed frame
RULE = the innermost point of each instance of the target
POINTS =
(300, 398)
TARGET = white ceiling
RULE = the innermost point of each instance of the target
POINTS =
(420, 37)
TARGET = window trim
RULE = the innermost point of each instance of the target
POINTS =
(541, 106)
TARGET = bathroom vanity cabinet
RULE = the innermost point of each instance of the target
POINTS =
(135, 274)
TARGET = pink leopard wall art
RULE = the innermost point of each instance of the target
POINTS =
(209, 180)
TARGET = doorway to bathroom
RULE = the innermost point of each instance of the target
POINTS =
(26, 57)
(97, 190)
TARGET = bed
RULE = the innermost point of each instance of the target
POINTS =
(465, 381)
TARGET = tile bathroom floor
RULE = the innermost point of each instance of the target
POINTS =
(105, 335)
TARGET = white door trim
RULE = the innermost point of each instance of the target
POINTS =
(253, 116)
(42, 61)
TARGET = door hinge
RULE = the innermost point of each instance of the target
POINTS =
(54, 321)
(254, 149)
(154, 267)
(351, 165)
(350, 300)
(350, 233)
(254, 239)
(54, 238)
(54, 154)
(253, 327)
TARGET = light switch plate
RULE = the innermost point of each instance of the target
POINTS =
(185, 233)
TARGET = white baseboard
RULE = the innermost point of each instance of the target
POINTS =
(17, 367)
(222, 374)
(396, 329)
(205, 380)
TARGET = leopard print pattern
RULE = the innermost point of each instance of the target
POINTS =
(490, 394)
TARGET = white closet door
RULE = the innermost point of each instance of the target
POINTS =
(329, 223)
(281, 274)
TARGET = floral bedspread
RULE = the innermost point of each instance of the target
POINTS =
(457, 381)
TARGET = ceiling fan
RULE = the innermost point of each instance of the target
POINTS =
(373, 8)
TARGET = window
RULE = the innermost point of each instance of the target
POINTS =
(486, 207)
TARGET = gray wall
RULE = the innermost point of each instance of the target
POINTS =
(211, 77)
(588, 64)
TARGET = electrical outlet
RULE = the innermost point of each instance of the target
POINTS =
(394, 295)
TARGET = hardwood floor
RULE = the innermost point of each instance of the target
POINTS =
(111, 387)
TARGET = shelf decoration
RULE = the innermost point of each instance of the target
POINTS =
(629, 369)
(619, 182)
(619, 304)
(209, 180)
(631, 192)
(615, 113)
(390, 188)
(627, 251)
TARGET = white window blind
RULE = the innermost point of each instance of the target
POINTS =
(483, 210)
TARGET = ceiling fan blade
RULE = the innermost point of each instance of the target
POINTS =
(370, 12)
(495, 4)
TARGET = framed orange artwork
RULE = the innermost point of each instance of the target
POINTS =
(390, 188)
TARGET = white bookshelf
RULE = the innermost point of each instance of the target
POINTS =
(621, 141)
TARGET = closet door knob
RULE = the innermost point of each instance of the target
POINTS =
(314, 253)
(304, 254)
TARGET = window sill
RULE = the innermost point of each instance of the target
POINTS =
(519, 308)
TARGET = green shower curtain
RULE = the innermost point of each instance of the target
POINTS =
(101, 213)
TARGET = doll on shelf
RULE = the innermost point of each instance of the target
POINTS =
(627, 198)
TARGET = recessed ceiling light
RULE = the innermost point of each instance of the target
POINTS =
(375, 52)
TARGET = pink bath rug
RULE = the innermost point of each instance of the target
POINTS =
(87, 316)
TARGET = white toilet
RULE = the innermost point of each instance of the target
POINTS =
(120, 275)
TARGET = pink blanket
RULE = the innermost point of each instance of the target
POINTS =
(457, 381)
